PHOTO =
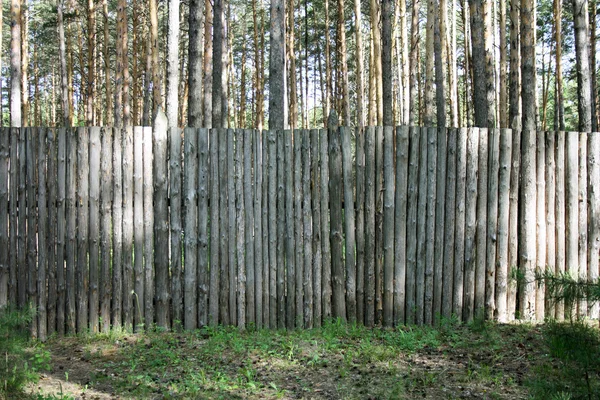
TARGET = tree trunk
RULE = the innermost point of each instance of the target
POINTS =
(478, 32)
(559, 113)
(91, 26)
(360, 83)
(195, 20)
(343, 67)
(277, 85)
(414, 64)
(172, 108)
(15, 62)
(514, 87)
(528, 65)
(386, 63)
(584, 95)
(440, 60)
(291, 56)
(107, 68)
(429, 115)
(63, 70)
(503, 99)
(219, 73)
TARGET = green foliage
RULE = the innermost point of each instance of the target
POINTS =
(20, 363)
(563, 287)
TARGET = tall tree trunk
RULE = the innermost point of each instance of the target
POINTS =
(514, 87)
(593, 66)
(376, 60)
(429, 65)
(207, 65)
(404, 66)
(118, 118)
(478, 31)
(503, 100)
(124, 54)
(91, 27)
(342, 83)
(414, 64)
(195, 20)
(328, 83)
(277, 91)
(386, 62)
(15, 63)
(24, 62)
(584, 95)
(528, 65)
(63, 69)
(360, 67)
(219, 73)
(107, 69)
(559, 113)
(172, 92)
(156, 83)
(452, 67)
(293, 112)
(440, 61)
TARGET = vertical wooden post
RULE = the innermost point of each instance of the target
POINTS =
(190, 204)
(106, 185)
(4, 257)
(474, 244)
(42, 264)
(378, 225)
(440, 200)
(128, 228)
(411, 230)
(249, 224)
(540, 264)
(527, 220)
(482, 221)
(203, 237)
(32, 250)
(502, 267)
(492, 222)
(61, 228)
(161, 219)
(336, 228)
(175, 200)
(82, 274)
(400, 224)
(231, 228)
(290, 248)
(117, 255)
(317, 237)
(349, 223)
(307, 220)
(71, 248)
(272, 213)
(280, 218)
(449, 225)
(258, 231)
(583, 220)
(360, 225)
(430, 224)
(388, 225)
(148, 218)
(22, 223)
(593, 142)
(14, 216)
(299, 231)
(138, 229)
(52, 234)
(325, 225)
(243, 230)
(421, 230)
(95, 151)
(572, 209)
(513, 233)
(265, 228)
(560, 210)
(213, 313)
(459, 236)
(550, 176)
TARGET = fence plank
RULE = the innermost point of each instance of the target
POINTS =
(411, 232)
(4, 257)
(32, 250)
(161, 219)
(360, 225)
(540, 264)
(213, 313)
(231, 231)
(325, 226)
(265, 229)
(14, 217)
(336, 227)
(388, 226)
(175, 200)
(289, 232)
(95, 151)
(203, 237)
(138, 229)
(513, 234)
(485, 137)
(400, 223)
(246, 196)
(61, 228)
(22, 224)
(258, 225)
(421, 230)
(492, 220)
(83, 190)
(299, 231)
(449, 225)
(459, 236)
(378, 225)
(190, 227)
(475, 217)
(148, 217)
(117, 255)
(307, 220)
(550, 265)
(272, 198)
(70, 247)
(593, 143)
(502, 266)
(280, 218)
(561, 227)
(527, 221)
(583, 221)
(350, 223)
(572, 208)
(440, 200)
(430, 224)
(42, 264)
(52, 235)
(317, 237)
(106, 184)
(128, 228)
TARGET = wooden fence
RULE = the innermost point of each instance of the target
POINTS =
(103, 227)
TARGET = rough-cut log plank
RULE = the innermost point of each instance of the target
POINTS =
(203, 238)
(307, 220)
(70, 247)
(22, 226)
(272, 198)
(243, 229)
(4, 258)
(482, 223)
(513, 233)
(128, 228)
(106, 186)
(148, 230)
(430, 224)
(249, 221)
(298, 231)
(61, 228)
(231, 229)
(280, 218)
(440, 200)
(561, 260)
(379, 225)
(94, 238)
(32, 250)
(316, 219)
(459, 235)
(502, 266)
(350, 224)
(161, 220)
(449, 225)
(572, 209)
(336, 228)
(83, 273)
(325, 228)
(411, 231)
(527, 221)
(258, 231)
(14, 217)
(388, 225)
(421, 230)
(190, 205)
(593, 142)
(223, 230)
(175, 224)
(290, 261)
(213, 302)
(265, 229)
(117, 264)
(52, 235)
(474, 244)
(360, 225)
(583, 221)
(138, 228)
(42, 261)
(400, 223)
(550, 265)
(540, 264)
(492, 221)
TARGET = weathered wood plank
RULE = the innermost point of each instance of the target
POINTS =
(440, 199)
(52, 183)
(460, 217)
(411, 231)
(492, 224)
(307, 223)
(325, 226)
(258, 231)
(350, 223)
(593, 142)
(317, 237)
(540, 264)
(213, 302)
(250, 223)
(388, 226)
(190, 205)
(244, 228)
(513, 234)
(449, 225)
(83, 272)
(379, 225)
(560, 209)
(95, 151)
(42, 261)
(400, 224)
(583, 221)
(299, 232)
(280, 223)
(336, 227)
(175, 200)
(138, 228)
(231, 228)
(572, 209)
(265, 230)
(70, 247)
(203, 236)
(272, 199)
(290, 248)
(32, 250)
(61, 227)
(360, 225)
(432, 153)
(421, 230)
(106, 185)
(148, 229)
(4, 257)
(550, 266)
(474, 244)
(128, 228)
(14, 217)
